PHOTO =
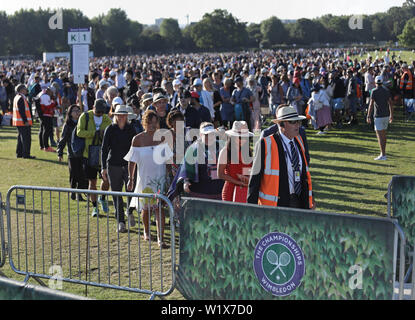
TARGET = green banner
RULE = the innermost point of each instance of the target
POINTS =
(240, 252)
(13, 290)
(403, 204)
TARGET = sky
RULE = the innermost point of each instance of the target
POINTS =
(146, 12)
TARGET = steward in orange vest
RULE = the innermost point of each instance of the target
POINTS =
(280, 173)
(21, 111)
(22, 120)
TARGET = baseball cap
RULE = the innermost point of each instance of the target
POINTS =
(117, 100)
(379, 79)
(198, 82)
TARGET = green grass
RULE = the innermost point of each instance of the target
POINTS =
(406, 56)
(346, 179)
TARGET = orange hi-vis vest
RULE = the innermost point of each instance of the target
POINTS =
(410, 82)
(17, 118)
(269, 190)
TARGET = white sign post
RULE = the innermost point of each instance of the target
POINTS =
(79, 40)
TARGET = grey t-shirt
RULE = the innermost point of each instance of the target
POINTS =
(381, 97)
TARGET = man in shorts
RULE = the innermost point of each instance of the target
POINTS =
(381, 104)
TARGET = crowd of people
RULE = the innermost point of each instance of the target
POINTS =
(112, 120)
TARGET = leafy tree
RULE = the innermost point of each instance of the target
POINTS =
(219, 30)
(4, 27)
(170, 30)
(306, 31)
(117, 29)
(407, 38)
(273, 31)
(254, 34)
(187, 41)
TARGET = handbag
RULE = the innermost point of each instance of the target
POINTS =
(94, 152)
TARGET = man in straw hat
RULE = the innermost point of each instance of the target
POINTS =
(280, 175)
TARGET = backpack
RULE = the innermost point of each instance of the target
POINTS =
(77, 143)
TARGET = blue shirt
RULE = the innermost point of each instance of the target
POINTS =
(239, 95)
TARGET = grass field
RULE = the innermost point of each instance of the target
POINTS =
(346, 179)
(406, 56)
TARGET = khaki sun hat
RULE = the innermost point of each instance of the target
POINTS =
(288, 114)
(239, 129)
(121, 110)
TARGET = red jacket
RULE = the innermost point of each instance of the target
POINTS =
(48, 110)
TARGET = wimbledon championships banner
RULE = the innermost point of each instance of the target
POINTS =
(239, 252)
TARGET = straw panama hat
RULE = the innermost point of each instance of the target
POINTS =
(159, 97)
(146, 97)
(288, 114)
(121, 110)
(240, 129)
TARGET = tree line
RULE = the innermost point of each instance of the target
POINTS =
(27, 32)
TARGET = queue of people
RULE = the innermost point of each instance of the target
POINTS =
(208, 109)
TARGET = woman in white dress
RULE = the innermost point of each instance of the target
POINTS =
(150, 158)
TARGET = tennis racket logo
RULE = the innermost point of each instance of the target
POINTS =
(283, 261)
(279, 264)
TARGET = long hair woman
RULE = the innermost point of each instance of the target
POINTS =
(77, 178)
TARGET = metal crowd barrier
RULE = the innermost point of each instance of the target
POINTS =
(2, 239)
(53, 237)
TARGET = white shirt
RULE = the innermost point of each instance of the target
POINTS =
(287, 147)
(98, 122)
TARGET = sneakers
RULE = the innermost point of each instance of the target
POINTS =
(50, 149)
(95, 212)
(381, 158)
(121, 227)
(104, 205)
(321, 132)
(131, 220)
